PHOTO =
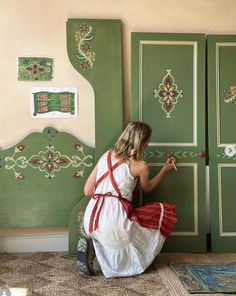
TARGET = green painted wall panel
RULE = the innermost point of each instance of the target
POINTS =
(100, 62)
(105, 74)
(42, 178)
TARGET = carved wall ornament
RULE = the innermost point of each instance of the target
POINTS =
(168, 93)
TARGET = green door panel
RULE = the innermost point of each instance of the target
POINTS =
(227, 66)
(174, 56)
(168, 93)
(94, 50)
(174, 186)
(222, 122)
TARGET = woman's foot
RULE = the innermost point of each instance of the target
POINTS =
(82, 256)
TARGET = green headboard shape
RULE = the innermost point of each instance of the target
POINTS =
(42, 178)
(95, 50)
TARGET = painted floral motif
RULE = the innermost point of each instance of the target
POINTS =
(35, 68)
(48, 161)
(168, 93)
(230, 95)
(84, 51)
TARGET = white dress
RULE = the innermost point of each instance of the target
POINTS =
(123, 247)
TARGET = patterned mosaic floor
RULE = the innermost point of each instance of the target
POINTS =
(56, 274)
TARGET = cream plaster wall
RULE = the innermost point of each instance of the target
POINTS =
(38, 27)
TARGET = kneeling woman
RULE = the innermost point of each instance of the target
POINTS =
(126, 239)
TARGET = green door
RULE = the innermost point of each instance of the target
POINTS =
(168, 93)
(222, 140)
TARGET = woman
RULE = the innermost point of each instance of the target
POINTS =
(126, 239)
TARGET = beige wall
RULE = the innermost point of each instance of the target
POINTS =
(38, 28)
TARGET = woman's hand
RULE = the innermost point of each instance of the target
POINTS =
(141, 169)
(169, 164)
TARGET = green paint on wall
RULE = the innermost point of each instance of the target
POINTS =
(94, 50)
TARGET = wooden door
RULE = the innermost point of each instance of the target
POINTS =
(222, 140)
(168, 93)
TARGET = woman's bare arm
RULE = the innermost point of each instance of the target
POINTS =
(141, 169)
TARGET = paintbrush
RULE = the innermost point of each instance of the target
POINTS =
(174, 165)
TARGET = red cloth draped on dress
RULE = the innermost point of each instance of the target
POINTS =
(153, 215)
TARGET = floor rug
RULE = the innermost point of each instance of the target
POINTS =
(56, 274)
(207, 278)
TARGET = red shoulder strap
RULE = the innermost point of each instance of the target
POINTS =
(111, 175)
(112, 168)
(127, 205)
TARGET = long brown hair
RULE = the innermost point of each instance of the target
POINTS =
(131, 142)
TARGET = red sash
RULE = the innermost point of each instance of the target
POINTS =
(150, 215)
